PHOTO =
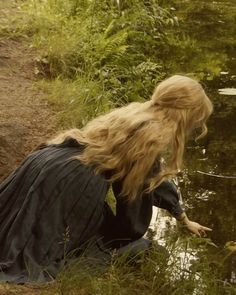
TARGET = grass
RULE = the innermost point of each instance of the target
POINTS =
(148, 273)
(77, 101)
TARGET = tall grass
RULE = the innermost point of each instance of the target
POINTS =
(76, 100)
(149, 273)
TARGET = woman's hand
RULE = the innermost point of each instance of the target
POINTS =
(192, 226)
(197, 228)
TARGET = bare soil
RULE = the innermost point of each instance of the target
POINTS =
(10, 289)
(26, 118)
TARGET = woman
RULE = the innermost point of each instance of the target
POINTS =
(54, 202)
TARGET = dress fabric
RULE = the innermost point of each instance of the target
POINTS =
(52, 205)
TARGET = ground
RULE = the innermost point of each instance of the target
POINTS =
(9, 289)
(26, 119)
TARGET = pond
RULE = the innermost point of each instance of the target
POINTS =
(211, 199)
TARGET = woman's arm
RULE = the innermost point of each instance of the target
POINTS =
(166, 197)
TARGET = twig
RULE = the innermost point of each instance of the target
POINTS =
(216, 175)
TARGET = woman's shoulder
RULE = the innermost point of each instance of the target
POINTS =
(68, 142)
(71, 142)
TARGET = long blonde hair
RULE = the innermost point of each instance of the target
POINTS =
(129, 140)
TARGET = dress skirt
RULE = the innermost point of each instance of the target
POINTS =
(50, 205)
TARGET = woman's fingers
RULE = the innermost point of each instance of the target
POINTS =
(206, 228)
(203, 229)
(198, 234)
(202, 233)
(198, 229)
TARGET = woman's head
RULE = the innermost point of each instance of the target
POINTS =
(184, 107)
(129, 140)
(184, 100)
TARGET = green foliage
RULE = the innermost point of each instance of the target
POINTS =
(77, 101)
(148, 273)
(125, 47)
(113, 44)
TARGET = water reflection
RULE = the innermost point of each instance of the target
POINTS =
(210, 27)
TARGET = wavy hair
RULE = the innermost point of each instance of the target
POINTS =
(128, 141)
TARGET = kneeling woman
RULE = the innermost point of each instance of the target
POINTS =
(60, 188)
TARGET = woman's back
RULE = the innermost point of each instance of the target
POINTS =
(59, 197)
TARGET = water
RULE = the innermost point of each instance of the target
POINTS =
(209, 30)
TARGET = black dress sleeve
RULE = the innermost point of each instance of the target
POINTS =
(165, 196)
(132, 217)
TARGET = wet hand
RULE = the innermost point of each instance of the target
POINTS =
(197, 228)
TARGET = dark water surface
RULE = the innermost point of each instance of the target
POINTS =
(211, 200)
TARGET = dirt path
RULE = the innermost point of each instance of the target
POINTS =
(25, 117)
(9, 289)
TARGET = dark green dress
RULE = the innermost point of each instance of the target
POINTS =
(52, 205)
